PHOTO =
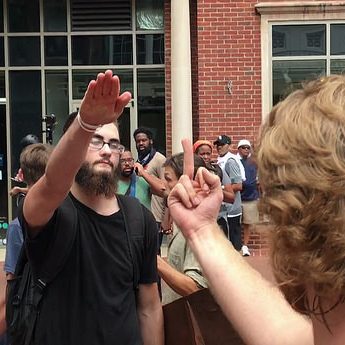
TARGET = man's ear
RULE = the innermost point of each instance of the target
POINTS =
(151, 142)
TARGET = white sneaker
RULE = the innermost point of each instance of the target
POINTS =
(245, 251)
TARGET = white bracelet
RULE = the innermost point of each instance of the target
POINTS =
(86, 126)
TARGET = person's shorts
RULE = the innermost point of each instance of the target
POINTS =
(250, 212)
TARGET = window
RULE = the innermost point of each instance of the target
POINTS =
(51, 49)
(24, 51)
(150, 49)
(102, 50)
(23, 16)
(151, 104)
(55, 15)
(150, 14)
(300, 41)
(302, 52)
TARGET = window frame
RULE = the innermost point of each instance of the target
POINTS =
(283, 13)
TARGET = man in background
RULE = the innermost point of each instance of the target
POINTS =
(33, 161)
(152, 161)
(131, 182)
(249, 193)
(231, 165)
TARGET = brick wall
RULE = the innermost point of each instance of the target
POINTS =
(225, 46)
(228, 50)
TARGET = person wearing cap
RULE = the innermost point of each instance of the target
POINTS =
(249, 193)
(222, 144)
(231, 166)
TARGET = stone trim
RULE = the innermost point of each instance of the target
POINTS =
(300, 7)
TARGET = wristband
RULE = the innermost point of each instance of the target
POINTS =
(86, 126)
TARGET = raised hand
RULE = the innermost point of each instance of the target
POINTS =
(102, 102)
(194, 204)
(138, 169)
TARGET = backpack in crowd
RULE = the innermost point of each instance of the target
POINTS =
(26, 291)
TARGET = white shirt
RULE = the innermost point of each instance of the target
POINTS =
(222, 160)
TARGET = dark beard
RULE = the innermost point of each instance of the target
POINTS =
(144, 153)
(127, 174)
(97, 183)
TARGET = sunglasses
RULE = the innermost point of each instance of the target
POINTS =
(245, 147)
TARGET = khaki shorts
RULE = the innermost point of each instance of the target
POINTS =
(250, 212)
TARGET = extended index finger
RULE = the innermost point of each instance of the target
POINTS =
(188, 158)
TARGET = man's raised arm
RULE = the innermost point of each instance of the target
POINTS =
(102, 104)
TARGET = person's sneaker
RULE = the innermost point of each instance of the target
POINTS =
(245, 251)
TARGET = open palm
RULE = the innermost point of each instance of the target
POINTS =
(103, 102)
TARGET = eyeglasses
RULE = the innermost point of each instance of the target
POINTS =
(97, 143)
(126, 160)
(245, 147)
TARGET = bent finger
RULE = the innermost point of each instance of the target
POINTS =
(179, 194)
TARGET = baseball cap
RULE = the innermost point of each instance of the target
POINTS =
(244, 142)
(223, 140)
(199, 143)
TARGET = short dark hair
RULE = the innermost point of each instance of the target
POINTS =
(29, 139)
(143, 130)
(33, 161)
(71, 117)
(175, 162)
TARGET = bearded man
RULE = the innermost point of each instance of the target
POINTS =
(92, 300)
(152, 162)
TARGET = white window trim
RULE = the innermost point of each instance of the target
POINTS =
(289, 12)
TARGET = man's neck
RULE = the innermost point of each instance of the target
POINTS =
(221, 156)
(99, 203)
(125, 178)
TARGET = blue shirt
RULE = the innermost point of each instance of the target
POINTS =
(249, 186)
(14, 243)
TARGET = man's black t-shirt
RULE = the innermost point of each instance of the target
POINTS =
(92, 300)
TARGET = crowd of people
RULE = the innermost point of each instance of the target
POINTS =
(207, 208)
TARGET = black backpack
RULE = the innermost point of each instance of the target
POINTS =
(25, 291)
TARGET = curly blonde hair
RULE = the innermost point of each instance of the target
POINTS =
(301, 164)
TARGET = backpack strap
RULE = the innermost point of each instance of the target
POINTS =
(133, 217)
(62, 246)
(50, 269)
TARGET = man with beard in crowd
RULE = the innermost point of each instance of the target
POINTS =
(92, 300)
(133, 182)
(152, 161)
